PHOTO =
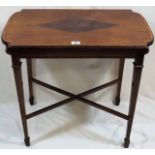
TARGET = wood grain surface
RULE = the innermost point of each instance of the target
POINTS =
(106, 28)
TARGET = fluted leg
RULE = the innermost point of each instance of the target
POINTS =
(120, 76)
(16, 64)
(138, 65)
(29, 72)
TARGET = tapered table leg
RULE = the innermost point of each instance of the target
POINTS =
(138, 65)
(120, 76)
(16, 64)
(29, 72)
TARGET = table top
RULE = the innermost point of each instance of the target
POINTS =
(48, 28)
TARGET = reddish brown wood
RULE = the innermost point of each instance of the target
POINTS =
(128, 29)
(77, 34)
(29, 73)
(76, 97)
(138, 66)
(77, 52)
(88, 92)
(16, 64)
(120, 76)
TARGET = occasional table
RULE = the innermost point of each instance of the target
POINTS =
(120, 34)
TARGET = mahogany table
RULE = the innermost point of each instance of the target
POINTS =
(121, 34)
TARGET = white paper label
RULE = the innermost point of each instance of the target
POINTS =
(75, 42)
